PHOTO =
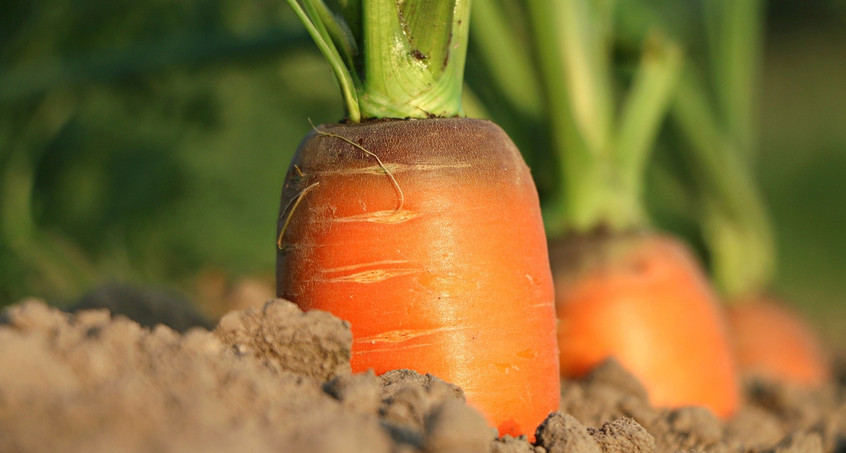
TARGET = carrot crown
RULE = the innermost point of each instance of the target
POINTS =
(392, 59)
(715, 114)
(602, 142)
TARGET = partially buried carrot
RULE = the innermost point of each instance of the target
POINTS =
(622, 289)
(715, 116)
(425, 234)
(771, 341)
(644, 300)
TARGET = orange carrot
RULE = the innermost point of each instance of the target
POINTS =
(426, 236)
(769, 339)
(643, 300)
(620, 292)
(421, 229)
(772, 341)
(716, 120)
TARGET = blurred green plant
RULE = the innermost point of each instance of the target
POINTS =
(722, 45)
(717, 115)
(146, 140)
(562, 82)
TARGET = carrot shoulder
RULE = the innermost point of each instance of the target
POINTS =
(426, 236)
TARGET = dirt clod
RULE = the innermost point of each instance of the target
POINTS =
(92, 383)
(509, 444)
(315, 344)
(454, 427)
(407, 396)
(754, 427)
(611, 392)
(800, 442)
(562, 433)
(357, 392)
(623, 435)
(688, 428)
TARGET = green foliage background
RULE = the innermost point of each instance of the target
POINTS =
(146, 141)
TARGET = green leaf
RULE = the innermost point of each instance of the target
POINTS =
(646, 107)
(339, 32)
(322, 38)
(736, 224)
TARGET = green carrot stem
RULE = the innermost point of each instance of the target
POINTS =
(735, 30)
(393, 59)
(643, 113)
(413, 58)
(585, 56)
(562, 124)
(321, 37)
(601, 159)
(510, 66)
(736, 226)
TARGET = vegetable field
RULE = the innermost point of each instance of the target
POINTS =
(626, 214)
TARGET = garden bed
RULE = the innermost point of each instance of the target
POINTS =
(277, 379)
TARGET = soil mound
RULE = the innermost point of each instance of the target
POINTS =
(277, 379)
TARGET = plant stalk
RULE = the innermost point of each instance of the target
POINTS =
(601, 158)
(393, 59)
(735, 29)
(736, 224)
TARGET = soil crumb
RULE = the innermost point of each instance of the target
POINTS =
(277, 379)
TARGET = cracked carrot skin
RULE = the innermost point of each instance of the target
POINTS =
(772, 341)
(644, 300)
(444, 271)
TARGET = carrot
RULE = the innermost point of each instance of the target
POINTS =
(632, 294)
(644, 300)
(622, 290)
(425, 234)
(770, 339)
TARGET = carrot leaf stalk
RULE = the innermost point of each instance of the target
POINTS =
(736, 223)
(316, 19)
(510, 66)
(393, 59)
(717, 120)
(734, 29)
(602, 168)
(716, 117)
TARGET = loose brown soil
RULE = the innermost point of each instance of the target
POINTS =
(277, 379)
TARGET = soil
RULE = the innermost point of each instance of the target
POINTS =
(277, 379)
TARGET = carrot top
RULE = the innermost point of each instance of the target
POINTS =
(600, 141)
(715, 114)
(392, 59)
